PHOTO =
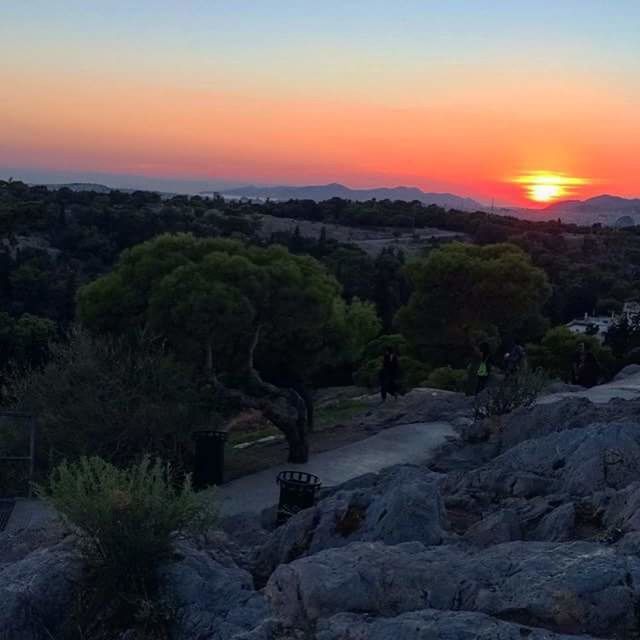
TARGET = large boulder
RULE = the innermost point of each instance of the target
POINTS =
(573, 588)
(37, 592)
(577, 462)
(628, 372)
(569, 413)
(214, 598)
(399, 505)
(501, 526)
(430, 624)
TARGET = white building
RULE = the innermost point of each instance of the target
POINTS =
(596, 326)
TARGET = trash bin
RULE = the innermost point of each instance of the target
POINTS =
(298, 491)
(208, 467)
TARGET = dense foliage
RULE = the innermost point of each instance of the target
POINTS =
(221, 315)
(465, 293)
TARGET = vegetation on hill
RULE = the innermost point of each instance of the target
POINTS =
(228, 318)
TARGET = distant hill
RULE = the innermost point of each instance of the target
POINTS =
(605, 208)
(79, 186)
(336, 190)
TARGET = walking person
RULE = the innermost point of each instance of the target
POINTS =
(389, 374)
(483, 371)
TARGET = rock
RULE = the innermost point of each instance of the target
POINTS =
(37, 592)
(568, 413)
(558, 526)
(403, 504)
(623, 509)
(578, 462)
(213, 600)
(543, 419)
(560, 387)
(627, 372)
(501, 526)
(18, 543)
(577, 587)
(430, 624)
(272, 629)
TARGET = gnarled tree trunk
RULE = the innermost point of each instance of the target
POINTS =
(284, 408)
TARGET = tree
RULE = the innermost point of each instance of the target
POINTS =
(557, 351)
(103, 396)
(219, 304)
(462, 292)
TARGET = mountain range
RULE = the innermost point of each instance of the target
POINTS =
(606, 209)
(335, 190)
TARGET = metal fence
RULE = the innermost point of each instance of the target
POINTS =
(17, 453)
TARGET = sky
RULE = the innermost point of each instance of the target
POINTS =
(470, 96)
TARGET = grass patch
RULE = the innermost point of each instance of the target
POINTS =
(339, 412)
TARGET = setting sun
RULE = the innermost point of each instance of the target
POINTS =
(544, 187)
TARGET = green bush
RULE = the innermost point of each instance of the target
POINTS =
(106, 397)
(557, 351)
(412, 373)
(376, 348)
(447, 378)
(516, 390)
(125, 517)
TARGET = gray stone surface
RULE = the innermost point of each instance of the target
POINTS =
(403, 504)
(577, 462)
(37, 592)
(430, 624)
(214, 599)
(573, 587)
(500, 526)
(558, 525)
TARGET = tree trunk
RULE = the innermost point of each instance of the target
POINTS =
(283, 407)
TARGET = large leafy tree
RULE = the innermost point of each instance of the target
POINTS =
(219, 303)
(465, 291)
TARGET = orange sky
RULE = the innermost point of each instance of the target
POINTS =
(464, 125)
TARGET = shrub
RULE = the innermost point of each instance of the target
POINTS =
(516, 390)
(412, 373)
(105, 397)
(447, 378)
(557, 352)
(125, 517)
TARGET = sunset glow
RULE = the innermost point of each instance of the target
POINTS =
(310, 93)
(548, 187)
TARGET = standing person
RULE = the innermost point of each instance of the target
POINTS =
(483, 370)
(589, 370)
(515, 359)
(578, 361)
(389, 374)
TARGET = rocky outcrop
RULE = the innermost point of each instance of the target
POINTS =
(575, 587)
(577, 462)
(213, 598)
(532, 532)
(400, 505)
(37, 592)
(430, 624)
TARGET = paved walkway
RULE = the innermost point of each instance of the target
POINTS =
(408, 443)
(625, 389)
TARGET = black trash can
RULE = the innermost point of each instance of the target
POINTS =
(208, 466)
(298, 490)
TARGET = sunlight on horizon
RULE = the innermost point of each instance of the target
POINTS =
(547, 187)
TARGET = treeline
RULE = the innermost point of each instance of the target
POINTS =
(54, 241)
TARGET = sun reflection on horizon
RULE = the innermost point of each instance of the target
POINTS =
(547, 186)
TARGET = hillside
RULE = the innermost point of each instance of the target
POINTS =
(335, 190)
